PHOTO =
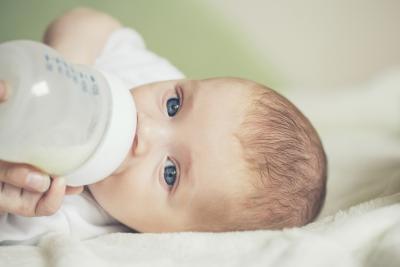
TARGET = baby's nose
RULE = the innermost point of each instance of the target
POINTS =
(150, 133)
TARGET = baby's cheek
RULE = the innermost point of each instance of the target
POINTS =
(132, 185)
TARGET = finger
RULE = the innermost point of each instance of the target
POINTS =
(17, 201)
(3, 91)
(74, 190)
(28, 201)
(52, 199)
(9, 196)
(10, 191)
(23, 176)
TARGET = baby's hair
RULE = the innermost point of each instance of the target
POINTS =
(283, 151)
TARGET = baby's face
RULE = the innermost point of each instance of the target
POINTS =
(185, 166)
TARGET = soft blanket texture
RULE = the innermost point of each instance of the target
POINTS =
(359, 225)
(366, 235)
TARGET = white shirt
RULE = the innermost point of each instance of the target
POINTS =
(79, 215)
(124, 55)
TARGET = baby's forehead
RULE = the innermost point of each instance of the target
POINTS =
(217, 197)
(219, 107)
(220, 104)
(218, 167)
(228, 94)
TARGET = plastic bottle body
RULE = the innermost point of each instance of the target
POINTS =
(56, 113)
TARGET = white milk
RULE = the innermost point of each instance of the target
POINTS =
(67, 120)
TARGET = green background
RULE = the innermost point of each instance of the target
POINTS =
(197, 39)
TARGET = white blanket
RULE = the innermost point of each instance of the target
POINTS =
(360, 128)
(365, 235)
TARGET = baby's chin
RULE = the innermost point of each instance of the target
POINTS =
(100, 184)
(97, 188)
(92, 187)
(99, 192)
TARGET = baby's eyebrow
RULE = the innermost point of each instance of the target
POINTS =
(186, 159)
(187, 99)
(187, 179)
(188, 167)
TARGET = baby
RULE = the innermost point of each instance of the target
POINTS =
(220, 154)
(216, 155)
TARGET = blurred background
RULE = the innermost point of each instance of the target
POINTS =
(284, 44)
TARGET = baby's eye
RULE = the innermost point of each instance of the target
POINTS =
(170, 173)
(173, 105)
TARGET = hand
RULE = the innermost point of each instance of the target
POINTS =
(20, 196)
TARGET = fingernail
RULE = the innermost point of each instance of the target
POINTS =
(39, 182)
(61, 181)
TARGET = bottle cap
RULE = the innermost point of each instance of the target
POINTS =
(117, 140)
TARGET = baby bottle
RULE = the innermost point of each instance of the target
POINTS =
(71, 121)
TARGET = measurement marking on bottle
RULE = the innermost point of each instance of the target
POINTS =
(83, 86)
(83, 80)
(95, 90)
